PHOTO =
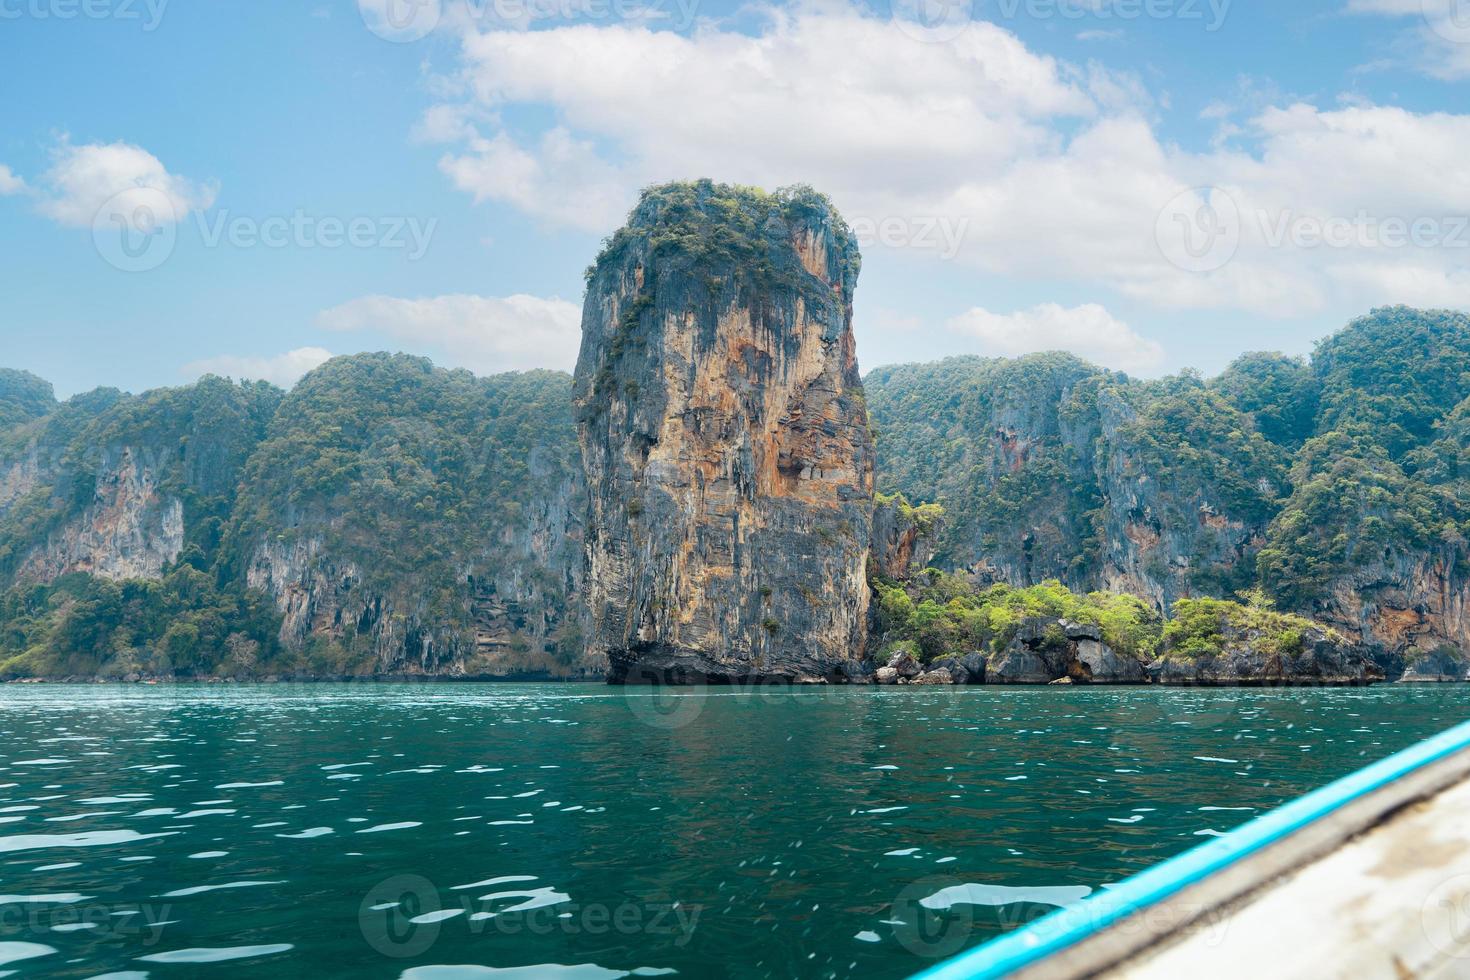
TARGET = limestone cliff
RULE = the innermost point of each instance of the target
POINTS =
(132, 527)
(724, 436)
(1049, 468)
(904, 537)
(119, 486)
(1187, 488)
(406, 519)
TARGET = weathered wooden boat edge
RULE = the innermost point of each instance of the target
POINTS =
(1102, 934)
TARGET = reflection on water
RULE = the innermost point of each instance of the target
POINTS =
(579, 831)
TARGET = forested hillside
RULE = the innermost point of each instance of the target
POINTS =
(1334, 483)
(388, 516)
(385, 516)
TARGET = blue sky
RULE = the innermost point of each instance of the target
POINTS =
(1018, 170)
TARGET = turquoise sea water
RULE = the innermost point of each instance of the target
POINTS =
(578, 831)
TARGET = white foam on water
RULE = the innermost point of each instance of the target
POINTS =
(506, 880)
(96, 838)
(536, 898)
(998, 895)
(201, 889)
(541, 971)
(215, 954)
(379, 828)
(14, 952)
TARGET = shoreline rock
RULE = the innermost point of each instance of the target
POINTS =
(1249, 658)
(1044, 651)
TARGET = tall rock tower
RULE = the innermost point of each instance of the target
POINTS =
(725, 439)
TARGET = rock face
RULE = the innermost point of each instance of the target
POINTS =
(1336, 483)
(1248, 658)
(132, 528)
(118, 486)
(1443, 666)
(456, 548)
(904, 537)
(1046, 650)
(1049, 467)
(1403, 600)
(725, 439)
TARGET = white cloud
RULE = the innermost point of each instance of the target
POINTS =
(838, 97)
(9, 182)
(483, 333)
(82, 179)
(1089, 331)
(562, 179)
(1437, 41)
(283, 369)
(1057, 172)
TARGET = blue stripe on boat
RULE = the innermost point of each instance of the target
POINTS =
(1066, 927)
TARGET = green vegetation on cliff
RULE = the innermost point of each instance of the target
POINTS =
(739, 230)
(1203, 627)
(84, 626)
(1337, 484)
(943, 614)
(421, 485)
(1006, 446)
(23, 397)
(419, 477)
(1317, 479)
(104, 458)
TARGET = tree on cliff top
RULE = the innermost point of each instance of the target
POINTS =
(728, 226)
(23, 397)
